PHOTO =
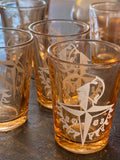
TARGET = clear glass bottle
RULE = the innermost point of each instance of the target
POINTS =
(80, 10)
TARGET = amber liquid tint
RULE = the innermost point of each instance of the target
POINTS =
(70, 129)
(65, 136)
(112, 32)
(15, 119)
(15, 90)
(107, 29)
(104, 58)
(13, 116)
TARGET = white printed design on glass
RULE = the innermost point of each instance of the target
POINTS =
(9, 69)
(45, 79)
(81, 112)
(4, 96)
(84, 109)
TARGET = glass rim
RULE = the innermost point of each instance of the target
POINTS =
(43, 4)
(50, 48)
(95, 4)
(30, 27)
(31, 38)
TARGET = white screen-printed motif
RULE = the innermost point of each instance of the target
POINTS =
(11, 68)
(87, 111)
(44, 76)
(71, 53)
(4, 97)
(84, 109)
(44, 71)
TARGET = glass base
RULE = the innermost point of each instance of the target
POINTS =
(45, 102)
(10, 125)
(78, 148)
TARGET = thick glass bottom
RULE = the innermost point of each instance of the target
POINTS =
(78, 148)
(6, 126)
(45, 102)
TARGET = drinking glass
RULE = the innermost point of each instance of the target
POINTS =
(105, 21)
(21, 13)
(85, 77)
(80, 10)
(47, 32)
(16, 50)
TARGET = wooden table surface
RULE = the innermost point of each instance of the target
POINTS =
(35, 139)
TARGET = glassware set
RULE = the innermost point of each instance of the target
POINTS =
(76, 64)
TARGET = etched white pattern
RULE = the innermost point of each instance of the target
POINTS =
(44, 76)
(71, 57)
(15, 66)
(85, 104)
(9, 69)
(4, 97)
(83, 96)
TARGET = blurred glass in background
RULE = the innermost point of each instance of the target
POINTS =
(80, 10)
